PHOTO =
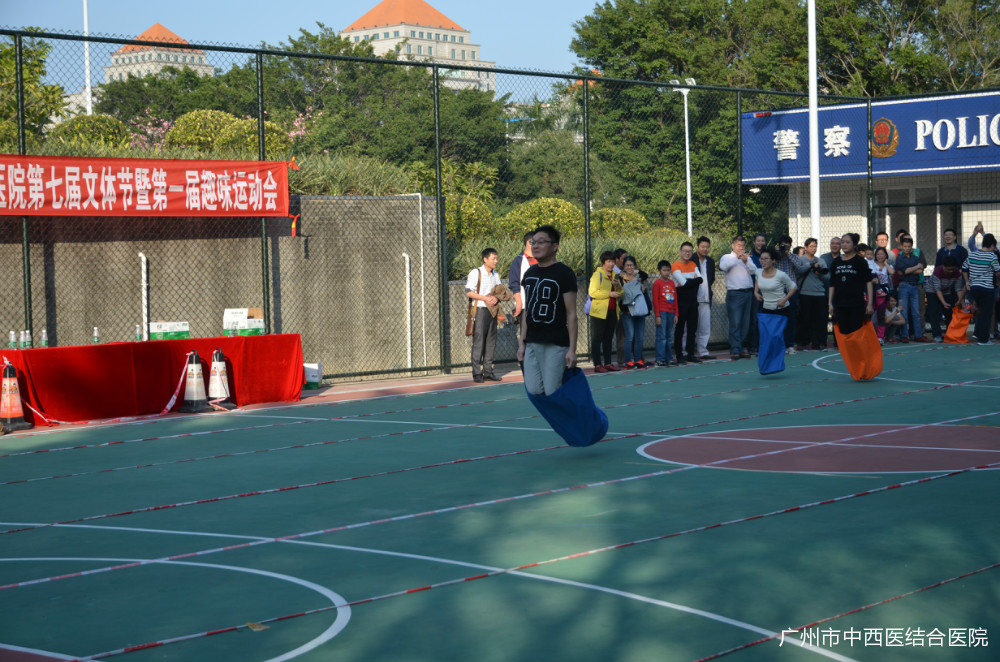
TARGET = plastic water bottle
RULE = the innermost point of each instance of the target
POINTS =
(138, 333)
(23, 343)
(27, 339)
(45, 338)
(12, 343)
(97, 336)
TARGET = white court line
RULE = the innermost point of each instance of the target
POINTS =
(846, 445)
(368, 419)
(36, 651)
(339, 623)
(815, 364)
(430, 559)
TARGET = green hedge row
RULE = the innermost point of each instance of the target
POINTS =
(648, 247)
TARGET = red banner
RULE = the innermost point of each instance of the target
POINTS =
(82, 186)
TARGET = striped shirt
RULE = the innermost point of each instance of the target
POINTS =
(981, 265)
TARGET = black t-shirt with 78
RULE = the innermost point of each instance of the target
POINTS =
(544, 308)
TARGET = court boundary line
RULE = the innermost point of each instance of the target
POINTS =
(879, 377)
(835, 442)
(449, 509)
(343, 609)
(866, 607)
(432, 559)
(507, 571)
(303, 420)
(300, 404)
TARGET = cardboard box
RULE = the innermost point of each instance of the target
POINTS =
(250, 327)
(313, 373)
(246, 321)
(169, 330)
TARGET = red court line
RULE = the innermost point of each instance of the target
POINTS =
(405, 432)
(443, 426)
(408, 395)
(333, 418)
(745, 457)
(750, 644)
(326, 403)
(439, 511)
(600, 550)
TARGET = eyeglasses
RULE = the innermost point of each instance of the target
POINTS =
(539, 242)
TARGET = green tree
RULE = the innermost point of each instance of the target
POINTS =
(967, 37)
(548, 164)
(176, 91)
(43, 102)
(876, 47)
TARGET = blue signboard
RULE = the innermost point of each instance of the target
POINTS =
(908, 137)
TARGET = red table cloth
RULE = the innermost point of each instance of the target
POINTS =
(113, 380)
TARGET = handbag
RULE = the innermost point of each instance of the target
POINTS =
(586, 305)
(631, 291)
(470, 320)
(639, 307)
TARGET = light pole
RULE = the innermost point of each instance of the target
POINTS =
(687, 145)
(88, 92)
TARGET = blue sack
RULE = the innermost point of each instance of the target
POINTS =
(771, 356)
(571, 410)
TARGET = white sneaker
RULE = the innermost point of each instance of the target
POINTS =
(790, 350)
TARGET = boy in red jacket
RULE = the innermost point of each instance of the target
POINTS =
(664, 309)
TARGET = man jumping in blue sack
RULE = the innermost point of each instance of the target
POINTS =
(547, 349)
(549, 325)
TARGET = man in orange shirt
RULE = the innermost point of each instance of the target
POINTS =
(687, 278)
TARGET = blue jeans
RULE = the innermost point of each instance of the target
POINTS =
(909, 297)
(635, 328)
(738, 309)
(664, 338)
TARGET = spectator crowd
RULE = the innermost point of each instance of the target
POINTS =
(896, 288)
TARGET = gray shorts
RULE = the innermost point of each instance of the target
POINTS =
(544, 366)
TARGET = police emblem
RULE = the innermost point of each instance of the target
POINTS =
(885, 138)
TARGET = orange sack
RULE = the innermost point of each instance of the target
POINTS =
(861, 352)
(959, 326)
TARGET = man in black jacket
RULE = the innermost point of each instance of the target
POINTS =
(706, 265)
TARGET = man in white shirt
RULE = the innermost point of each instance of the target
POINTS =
(479, 287)
(739, 270)
(706, 266)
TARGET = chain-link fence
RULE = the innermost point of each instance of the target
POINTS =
(408, 170)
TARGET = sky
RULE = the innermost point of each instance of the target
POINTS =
(516, 34)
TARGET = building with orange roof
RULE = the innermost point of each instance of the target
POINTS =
(418, 31)
(139, 61)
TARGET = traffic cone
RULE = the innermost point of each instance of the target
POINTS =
(195, 401)
(218, 382)
(11, 413)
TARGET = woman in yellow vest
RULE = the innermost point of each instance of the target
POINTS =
(604, 292)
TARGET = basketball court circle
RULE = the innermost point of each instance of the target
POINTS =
(833, 448)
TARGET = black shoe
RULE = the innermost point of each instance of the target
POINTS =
(680, 360)
(493, 378)
(693, 359)
(478, 379)
(663, 364)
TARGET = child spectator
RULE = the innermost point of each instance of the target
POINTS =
(664, 310)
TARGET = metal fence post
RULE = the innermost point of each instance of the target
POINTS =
(587, 245)
(22, 148)
(871, 210)
(262, 155)
(443, 293)
(739, 164)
